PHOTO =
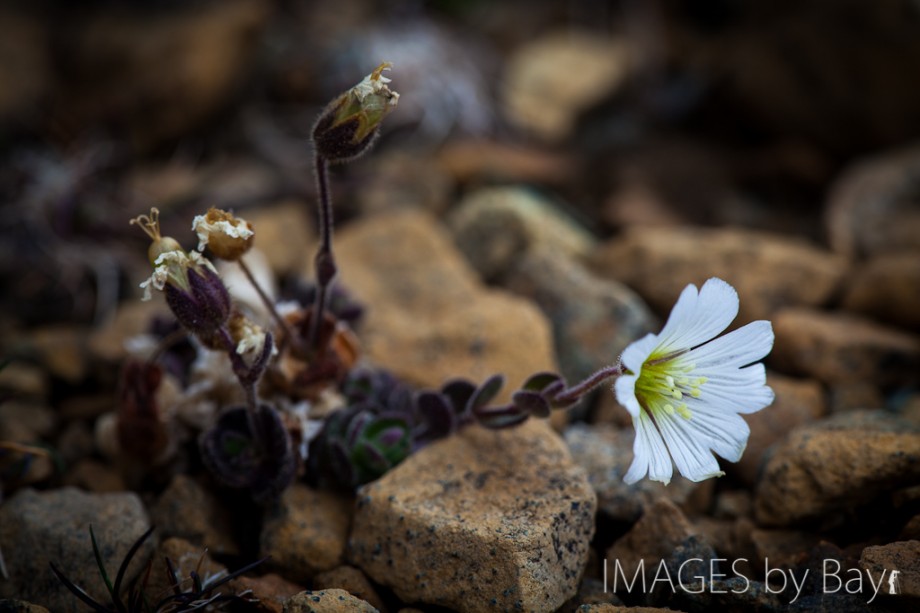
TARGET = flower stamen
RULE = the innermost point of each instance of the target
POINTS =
(150, 224)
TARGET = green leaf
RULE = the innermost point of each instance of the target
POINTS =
(101, 564)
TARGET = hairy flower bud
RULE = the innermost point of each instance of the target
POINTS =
(204, 306)
(194, 291)
(348, 126)
(227, 237)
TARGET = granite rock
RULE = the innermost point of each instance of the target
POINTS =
(901, 556)
(483, 520)
(327, 601)
(769, 271)
(838, 347)
(835, 464)
(351, 580)
(797, 402)
(37, 528)
(873, 207)
(593, 319)
(307, 533)
(606, 453)
(550, 81)
(494, 226)
(187, 510)
(885, 288)
(659, 532)
(429, 318)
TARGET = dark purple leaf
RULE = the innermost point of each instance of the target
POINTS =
(501, 417)
(459, 392)
(540, 381)
(486, 392)
(531, 402)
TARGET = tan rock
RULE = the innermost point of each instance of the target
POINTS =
(797, 402)
(551, 80)
(837, 347)
(60, 348)
(661, 529)
(26, 70)
(495, 226)
(854, 394)
(885, 288)
(327, 601)
(40, 528)
(593, 319)
(133, 317)
(873, 206)
(157, 74)
(307, 533)
(399, 179)
(901, 556)
(606, 453)
(429, 319)
(94, 476)
(24, 380)
(782, 548)
(284, 234)
(836, 463)
(480, 521)
(272, 590)
(481, 161)
(911, 530)
(769, 271)
(187, 558)
(185, 509)
(351, 580)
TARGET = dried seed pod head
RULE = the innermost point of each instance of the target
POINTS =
(194, 291)
(159, 244)
(348, 126)
(227, 237)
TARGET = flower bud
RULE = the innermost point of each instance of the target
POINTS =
(204, 306)
(194, 291)
(227, 237)
(348, 126)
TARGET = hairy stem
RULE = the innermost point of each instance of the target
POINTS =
(283, 325)
(575, 392)
(249, 387)
(324, 263)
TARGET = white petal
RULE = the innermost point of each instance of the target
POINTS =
(699, 316)
(635, 355)
(625, 390)
(742, 390)
(725, 434)
(740, 347)
(689, 447)
(649, 453)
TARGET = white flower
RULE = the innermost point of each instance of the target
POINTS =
(251, 340)
(171, 265)
(685, 390)
(376, 84)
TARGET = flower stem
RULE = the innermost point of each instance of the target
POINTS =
(283, 325)
(575, 392)
(249, 387)
(324, 262)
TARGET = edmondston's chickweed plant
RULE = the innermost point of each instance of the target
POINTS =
(310, 409)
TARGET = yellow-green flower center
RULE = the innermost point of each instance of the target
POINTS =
(664, 381)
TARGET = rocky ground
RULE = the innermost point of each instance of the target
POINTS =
(542, 223)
